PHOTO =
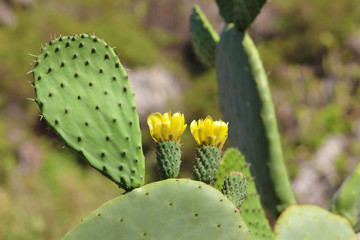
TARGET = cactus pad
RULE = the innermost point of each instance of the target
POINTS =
(246, 104)
(251, 210)
(84, 95)
(240, 12)
(346, 201)
(245, 12)
(226, 10)
(169, 209)
(235, 188)
(300, 222)
(204, 38)
(168, 155)
(206, 163)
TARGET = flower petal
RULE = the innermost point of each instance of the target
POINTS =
(208, 132)
(166, 127)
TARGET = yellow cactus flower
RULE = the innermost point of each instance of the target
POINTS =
(209, 132)
(166, 127)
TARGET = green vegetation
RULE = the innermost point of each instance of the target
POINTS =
(307, 48)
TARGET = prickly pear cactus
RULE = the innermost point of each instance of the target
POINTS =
(84, 95)
(300, 222)
(346, 201)
(251, 210)
(240, 12)
(203, 36)
(226, 8)
(245, 12)
(170, 209)
(168, 155)
(246, 103)
(206, 163)
(235, 188)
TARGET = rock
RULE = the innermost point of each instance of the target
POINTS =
(7, 16)
(154, 88)
(317, 178)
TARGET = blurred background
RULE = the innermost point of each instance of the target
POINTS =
(311, 50)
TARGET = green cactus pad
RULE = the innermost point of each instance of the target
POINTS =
(170, 209)
(168, 155)
(240, 12)
(204, 38)
(246, 104)
(301, 222)
(206, 163)
(245, 12)
(346, 201)
(251, 210)
(84, 95)
(235, 188)
(226, 8)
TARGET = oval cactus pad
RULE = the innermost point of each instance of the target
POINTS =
(312, 223)
(166, 210)
(85, 96)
